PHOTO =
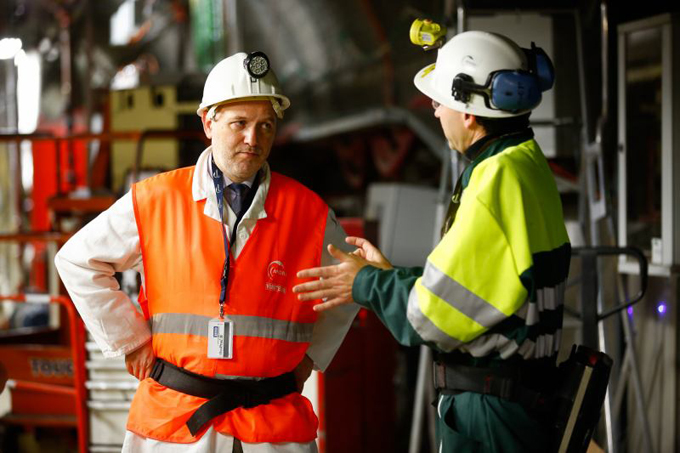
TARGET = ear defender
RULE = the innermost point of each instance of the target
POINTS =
(515, 91)
(541, 65)
(511, 91)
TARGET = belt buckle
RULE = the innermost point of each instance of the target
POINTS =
(157, 369)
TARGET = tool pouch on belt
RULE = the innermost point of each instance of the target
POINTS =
(223, 395)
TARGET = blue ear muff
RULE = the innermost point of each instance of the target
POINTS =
(511, 91)
(541, 65)
(515, 91)
(545, 71)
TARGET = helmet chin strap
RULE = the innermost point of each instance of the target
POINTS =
(277, 107)
(212, 113)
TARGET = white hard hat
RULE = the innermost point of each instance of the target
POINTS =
(243, 76)
(487, 75)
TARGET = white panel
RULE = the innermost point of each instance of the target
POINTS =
(406, 215)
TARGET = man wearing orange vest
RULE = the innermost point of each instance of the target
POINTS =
(222, 346)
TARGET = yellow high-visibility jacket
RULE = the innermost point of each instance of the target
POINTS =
(493, 288)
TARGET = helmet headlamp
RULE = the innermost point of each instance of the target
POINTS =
(257, 64)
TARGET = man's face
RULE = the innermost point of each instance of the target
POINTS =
(453, 125)
(242, 135)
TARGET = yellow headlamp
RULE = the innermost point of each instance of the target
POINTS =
(427, 34)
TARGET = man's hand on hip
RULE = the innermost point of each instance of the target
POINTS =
(302, 372)
(139, 362)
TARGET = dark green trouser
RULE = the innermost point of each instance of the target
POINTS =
(476, 423)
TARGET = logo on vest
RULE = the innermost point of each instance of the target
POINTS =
(276, 277)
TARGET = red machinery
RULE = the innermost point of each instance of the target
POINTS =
(47, 381)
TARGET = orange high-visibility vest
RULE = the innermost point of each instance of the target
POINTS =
(183, 255)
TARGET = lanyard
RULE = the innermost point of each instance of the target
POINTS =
(218, 181)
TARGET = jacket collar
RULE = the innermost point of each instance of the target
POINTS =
(489, 146)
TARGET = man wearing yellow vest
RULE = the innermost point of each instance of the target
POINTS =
(489, 299)
(222, 346)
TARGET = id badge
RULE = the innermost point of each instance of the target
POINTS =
(220, 338)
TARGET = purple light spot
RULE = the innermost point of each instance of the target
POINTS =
(661, 308)
(630, 311)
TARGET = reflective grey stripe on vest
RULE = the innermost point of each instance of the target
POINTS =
(244, 326)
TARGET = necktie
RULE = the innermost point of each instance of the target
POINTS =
(237, 200)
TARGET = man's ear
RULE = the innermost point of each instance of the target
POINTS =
(207, 124)
(470, 121)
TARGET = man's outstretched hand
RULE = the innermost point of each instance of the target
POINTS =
(335, 283)
(369, 252)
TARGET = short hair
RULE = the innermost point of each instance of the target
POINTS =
(500, 126)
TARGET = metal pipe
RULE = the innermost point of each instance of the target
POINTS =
(107, 136)
(112, 385)
(585, 124)
(98, 405)
(582, 78)
(419, 403)
(67, 91)
(89, 40)
(36, 236)
(371, 118)
(234, 40)
(40, 387)
(631, 356)
(462, 19)
(385, 52)
(624, 373)
(605, 68)
(13, 149)
(636, 380)
(595, 231)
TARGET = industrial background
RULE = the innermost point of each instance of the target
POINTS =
(95, 95)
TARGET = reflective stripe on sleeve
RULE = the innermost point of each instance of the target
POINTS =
(546, 299)
(245, 326)
(460, 298)
(545, 346)
(443, 311)
(427, 330)
(551, 297)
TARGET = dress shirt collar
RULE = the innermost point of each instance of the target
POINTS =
(202, 188)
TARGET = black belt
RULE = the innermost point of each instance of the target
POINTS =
(510, 383)
(223, 395)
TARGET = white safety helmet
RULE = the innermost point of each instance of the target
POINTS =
(239, 77)
(487, 75)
